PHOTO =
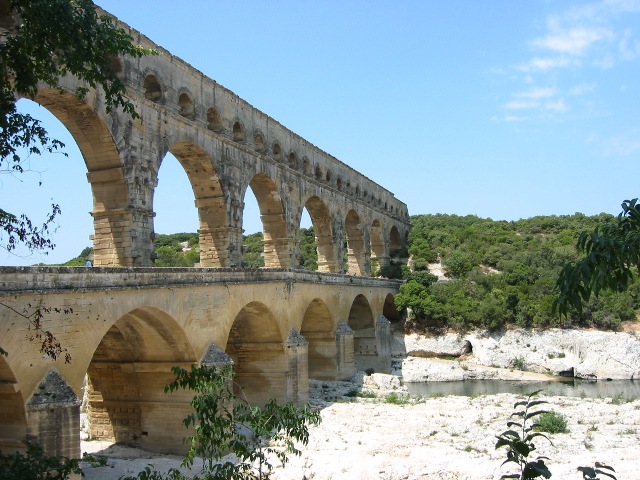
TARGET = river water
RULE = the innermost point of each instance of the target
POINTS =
(623, 390)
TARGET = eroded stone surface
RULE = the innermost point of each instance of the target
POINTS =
(586, 354)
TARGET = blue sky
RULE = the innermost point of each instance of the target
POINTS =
(502, 109)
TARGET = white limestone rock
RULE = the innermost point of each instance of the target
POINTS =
(580, 353)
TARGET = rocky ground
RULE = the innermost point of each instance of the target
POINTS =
(436, 438)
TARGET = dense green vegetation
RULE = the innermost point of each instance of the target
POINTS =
(177, 250)
(499, 273)
(502, 273)
(182, 250)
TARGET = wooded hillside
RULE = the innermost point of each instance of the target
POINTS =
(501, 273)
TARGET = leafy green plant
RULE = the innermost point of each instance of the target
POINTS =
(519, 441)
(593, 473)
(355, 393)
(518, 438)
(395, 399)
(223, 422)
(35, 465)
(519, 363)
(94, 461)
(552, 422)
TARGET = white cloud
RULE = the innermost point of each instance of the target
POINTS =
(541, 64)
(521, 105)
(514, 118)
(628, 47)
(624, 145)
(573, 41)
(622, 6)
(582, 89)
(536, 93)
(558, 106)
(605, 63)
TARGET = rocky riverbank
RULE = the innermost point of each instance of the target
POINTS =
(371, 430)
(587, 354)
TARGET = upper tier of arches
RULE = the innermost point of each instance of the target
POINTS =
(226, 147)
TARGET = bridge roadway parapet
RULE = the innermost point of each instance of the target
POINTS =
(124, 328)
(40, 279)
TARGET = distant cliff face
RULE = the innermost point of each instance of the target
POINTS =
(585, 354)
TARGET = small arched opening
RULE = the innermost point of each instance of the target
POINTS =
(185, 104)
(238, 132)
(276, 151)
(293, 161)
(258, 142)
(214, 121)
(152, 88)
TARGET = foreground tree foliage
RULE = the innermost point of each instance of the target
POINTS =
(611, 261)
(41, 41)
(520, 437)
(504, 273)
(34, 465)
(225, 423)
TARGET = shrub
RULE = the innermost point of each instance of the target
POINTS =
(552, 422)
(519, 363)
(395, 399)
(33, 464)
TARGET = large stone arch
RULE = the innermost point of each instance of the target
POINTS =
(395, 241)
(13, 416)
(318, 329)
(210, 202)
(356, 260)
(379, 254)
(274, 226)
(256, 348)
(112, 218)
(321, 220)
(362, 322)
(389, 309)
(125, 380)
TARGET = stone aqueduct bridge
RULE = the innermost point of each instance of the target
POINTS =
(225, 147)
(125, 324)
(125, 327)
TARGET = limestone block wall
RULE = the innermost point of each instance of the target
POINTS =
(126, 327)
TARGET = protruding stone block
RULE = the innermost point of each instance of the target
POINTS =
(53, 414)
(344, 351)
(297, 350)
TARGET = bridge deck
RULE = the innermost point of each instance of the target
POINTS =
(33, 279)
